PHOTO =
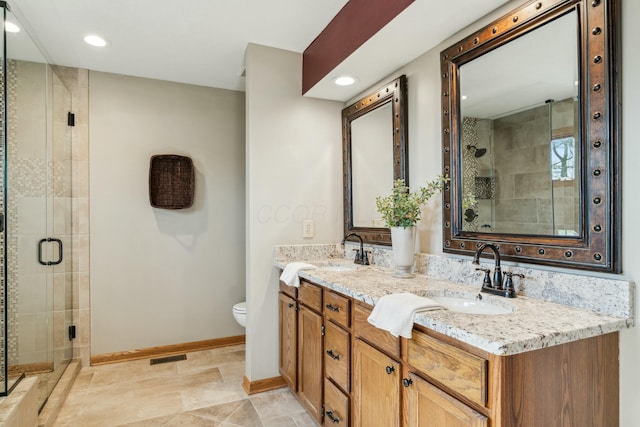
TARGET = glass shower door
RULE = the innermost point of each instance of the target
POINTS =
(38, 165)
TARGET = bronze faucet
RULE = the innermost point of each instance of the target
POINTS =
(361, 256)
(496, 286)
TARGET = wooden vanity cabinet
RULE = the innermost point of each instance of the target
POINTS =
(336, 405)
(288, 326)
(310, 345)
(425, 405)
(377, 373)
(376, 387)
(572, 384)
(301, 342)
(362, 376)
(337, 359)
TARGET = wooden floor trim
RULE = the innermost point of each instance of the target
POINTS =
(165, 350)
(258, 386)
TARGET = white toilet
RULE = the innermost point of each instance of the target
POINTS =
(240, 313)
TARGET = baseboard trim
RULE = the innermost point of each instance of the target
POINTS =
(259, 386)
(165, 350)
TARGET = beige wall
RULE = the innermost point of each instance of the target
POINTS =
(294, 172)
(162, 277)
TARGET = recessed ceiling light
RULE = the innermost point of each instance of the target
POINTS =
(11, 27)
(94, 40)
(344, 80)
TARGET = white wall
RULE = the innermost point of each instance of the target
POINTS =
(294, 172)
(161, 277)
(630, 342)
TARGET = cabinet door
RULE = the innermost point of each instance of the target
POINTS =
(287, 308)
(376, 388)
(428, 406)
(310, 361)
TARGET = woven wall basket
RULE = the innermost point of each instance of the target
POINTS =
(171, 181)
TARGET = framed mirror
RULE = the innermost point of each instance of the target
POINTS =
(374, 154)
(530, 136)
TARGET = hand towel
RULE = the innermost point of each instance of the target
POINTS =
(290, 273)
(395, 312)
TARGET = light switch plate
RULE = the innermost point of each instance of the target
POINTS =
(307, 228)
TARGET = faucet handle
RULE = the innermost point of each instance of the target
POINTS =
(486, 282)
(510, 291)
(365, 258)
(358, 259)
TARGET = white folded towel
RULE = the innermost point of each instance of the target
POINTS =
(395, 312)
(290, 273)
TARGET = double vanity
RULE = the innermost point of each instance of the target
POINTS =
(480, 361)
(534, 175)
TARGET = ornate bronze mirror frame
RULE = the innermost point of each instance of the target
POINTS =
(594, 242)
(374, 154)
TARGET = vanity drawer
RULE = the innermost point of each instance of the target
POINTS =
(379, 338)
(336, 355)
(310, 295)
(454, 368)
(336, 405)
(337, 308)
(292, 291)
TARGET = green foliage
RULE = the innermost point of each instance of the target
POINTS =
(402, 208)
(469, 201)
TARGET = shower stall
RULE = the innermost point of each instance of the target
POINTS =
(36, 159)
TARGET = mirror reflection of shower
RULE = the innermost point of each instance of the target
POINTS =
(477, 152)
(527, 185)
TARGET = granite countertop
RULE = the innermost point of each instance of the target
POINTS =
(533, 324)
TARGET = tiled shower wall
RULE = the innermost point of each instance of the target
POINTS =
(27, 170)
(77, 81)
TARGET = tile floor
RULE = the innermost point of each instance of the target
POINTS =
(204, 390)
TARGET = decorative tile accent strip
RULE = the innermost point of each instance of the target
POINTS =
(13, 279)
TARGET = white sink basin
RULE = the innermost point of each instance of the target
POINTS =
(338, 267)
(470, 305)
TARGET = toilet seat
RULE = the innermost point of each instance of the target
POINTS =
(240, 308)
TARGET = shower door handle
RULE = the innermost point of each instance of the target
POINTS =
(50, 239)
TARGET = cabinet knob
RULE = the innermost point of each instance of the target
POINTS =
(291, 305)
(390, 369)
(407, 382)
(332, 417)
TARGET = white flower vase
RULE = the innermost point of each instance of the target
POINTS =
(403, 242)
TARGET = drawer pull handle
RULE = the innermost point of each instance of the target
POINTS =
(407, 382)
(334, 356)
(333, 307)
(390, 369)
(332, 417)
